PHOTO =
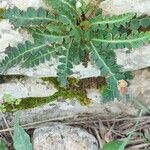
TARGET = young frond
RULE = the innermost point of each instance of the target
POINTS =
(46, 35)
(134, 40)
(103, 22)
(136, 23)
(27, 18)
(21, 53)
(75, 30)
(108, 69)
(64, 69)
(75, 33)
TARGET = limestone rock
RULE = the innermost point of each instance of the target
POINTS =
(70, 109)
(116, 7)
(137, 59)
(140, 86)
(27, 87)
(62, 137)
(22, 4)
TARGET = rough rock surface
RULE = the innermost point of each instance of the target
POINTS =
(140, 86)
(122, 6)
(70, 108)
(62, 137)
(27, 87)
(22, 4)
(137, 59)
(133, 61)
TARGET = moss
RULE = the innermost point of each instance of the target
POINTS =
(72, 82)
(2, 10)
(75, 89)
(33, 102)
(70, 92)
(52, 80)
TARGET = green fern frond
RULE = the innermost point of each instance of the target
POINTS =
(58, 28)
(108, 70)
(134, 40)
(46, 35)
(103, 22)
(140, 22)
(41, 56)
(64, 69)
(76, 53)
(107, 94)
(20, 54)
(145, 22)
(75, 30)
(27, 18)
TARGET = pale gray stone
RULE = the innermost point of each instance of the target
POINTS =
(22, 4)
(27, 87)
(62, 137)
(136, 59)
(68, 109)
(115, 7)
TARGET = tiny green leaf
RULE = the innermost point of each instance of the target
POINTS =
(114, 145)
(20, 138)
(3, 145)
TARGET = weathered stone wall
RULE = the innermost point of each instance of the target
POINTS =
(34, 87)
(129, 61)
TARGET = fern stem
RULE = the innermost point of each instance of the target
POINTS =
(67, 55)
(22, 54)
(63, 1)
(116, 20)
(135, 39)
(108, 74)
(111, 73)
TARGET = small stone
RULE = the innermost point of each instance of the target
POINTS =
(62, 137)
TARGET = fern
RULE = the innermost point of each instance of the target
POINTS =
(41, 56)
(21, 53)
(140, 22)
(110, 22)
(30, 17)
(46, 35)
(64, 69)
(134, 40)
(109, 69)
(68, 32)
(75, 30)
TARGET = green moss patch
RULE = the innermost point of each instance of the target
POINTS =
(76, 89)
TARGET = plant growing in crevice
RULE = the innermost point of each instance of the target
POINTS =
(68, 31)
(9, 100)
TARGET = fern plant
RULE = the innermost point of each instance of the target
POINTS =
(68, 31)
